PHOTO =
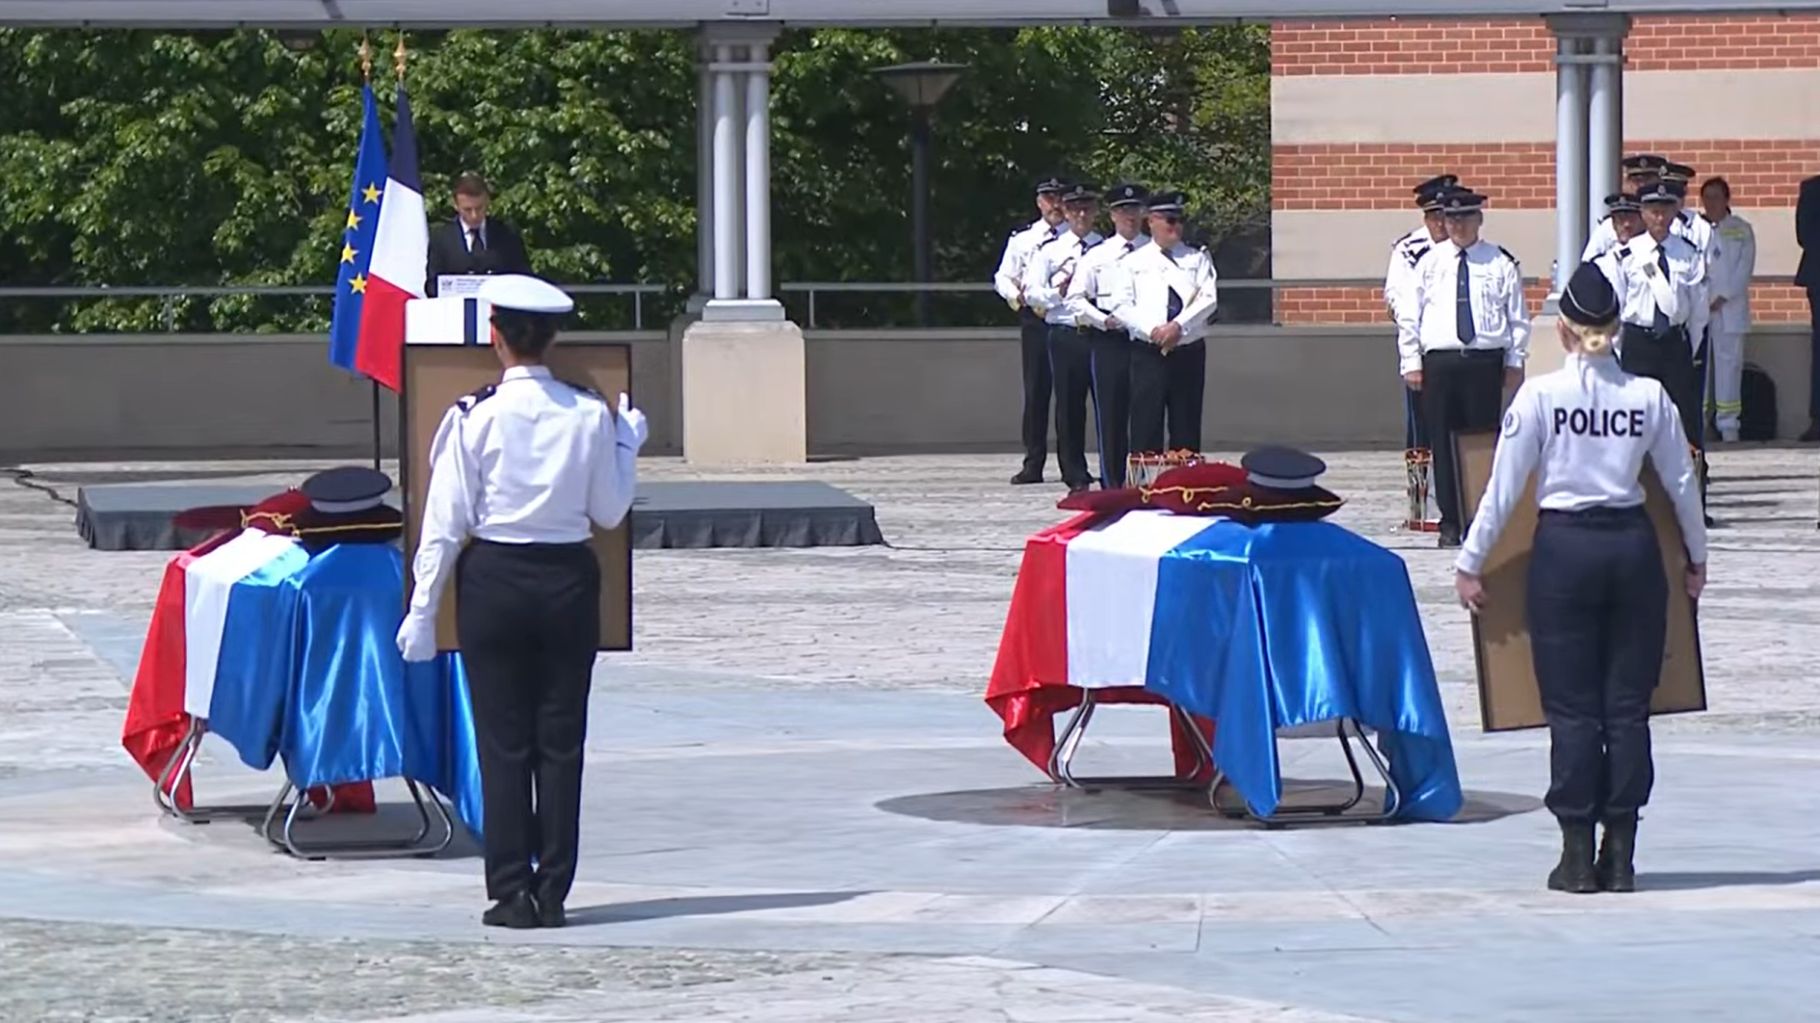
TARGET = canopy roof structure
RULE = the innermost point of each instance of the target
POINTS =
(325, 14)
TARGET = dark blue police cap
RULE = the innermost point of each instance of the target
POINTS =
(1429, 192)
(1460, 201)
(1166, 202)
(1127, 195)
(1052, 185)
(1681, 172)
(1281, 468)
(1643, 163)
(1082, 192)
(1622, 202)
(1588, 299)
(1659, 192)
(350, 488)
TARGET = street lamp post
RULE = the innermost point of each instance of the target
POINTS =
(922, 85)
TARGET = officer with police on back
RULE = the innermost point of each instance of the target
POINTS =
(1597, 603)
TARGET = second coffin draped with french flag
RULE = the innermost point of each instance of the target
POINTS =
(1255, 628)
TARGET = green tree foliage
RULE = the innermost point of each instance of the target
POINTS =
(137, 158)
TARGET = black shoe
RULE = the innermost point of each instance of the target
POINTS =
(1079, 488)
(550, 914)
(1617, 850)
(1026, 477)
(1449, 538)
(1575, 871)
(518, 912)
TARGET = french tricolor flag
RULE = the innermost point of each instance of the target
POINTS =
(401, 249)
(203, 629)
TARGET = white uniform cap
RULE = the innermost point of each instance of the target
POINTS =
(524, 293)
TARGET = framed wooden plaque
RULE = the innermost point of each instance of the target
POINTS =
(435, 375)
(1508, 697)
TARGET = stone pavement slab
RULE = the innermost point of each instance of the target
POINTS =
(798, 808)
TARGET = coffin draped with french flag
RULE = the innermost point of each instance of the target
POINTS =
(286, 651)
(1254, 628)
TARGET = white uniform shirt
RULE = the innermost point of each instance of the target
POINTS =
(1050, 271)
(1605, 236)
(534, 461)
(1009, 280)
(1150, 275)
(1405, 255)
(1426, 320)
(1642, 287)
(1091, 292)
(1728, 273)
(1585, 430)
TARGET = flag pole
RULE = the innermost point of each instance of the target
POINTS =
(366, 76)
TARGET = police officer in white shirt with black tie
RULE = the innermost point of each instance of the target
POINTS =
(1046, 279)
(1661, 276)
(520, 474)
(1405, 254)
(1624, 214)
(1463, 336)
(1090, 294)
(1166, 297)
(1597, 603)
(1034, 333)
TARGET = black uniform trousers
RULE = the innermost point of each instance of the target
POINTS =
(528, 619)
(1668, 357)
(1168, 391)
(1111, 353)
(1037, 385)
(1462, 390)
(1071, 363)
(1598, 617)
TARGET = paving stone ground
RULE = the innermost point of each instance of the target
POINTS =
(842, 684)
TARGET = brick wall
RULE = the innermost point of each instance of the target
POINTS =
(1417, 46)
(1517, 175)
(1770, 303)
(1425, 46)
(1735, 41)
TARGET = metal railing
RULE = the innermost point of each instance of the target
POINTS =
(172, 293)
(809, 290)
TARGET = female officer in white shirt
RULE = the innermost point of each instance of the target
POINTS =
(1598, 596)
(524, 469)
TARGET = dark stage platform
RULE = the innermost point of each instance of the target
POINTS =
(138, 516)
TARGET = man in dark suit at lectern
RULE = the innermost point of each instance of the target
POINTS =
(474, 243)
(1807, 275)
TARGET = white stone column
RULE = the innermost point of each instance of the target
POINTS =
(758, 174)
(704, 174)
(1605, 125)
(727, 161)
(743, 346)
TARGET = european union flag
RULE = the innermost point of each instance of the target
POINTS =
(357, 238)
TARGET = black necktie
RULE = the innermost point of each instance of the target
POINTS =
(479, 244)
(1661, 324)
(1175, 300)
(1462, 303)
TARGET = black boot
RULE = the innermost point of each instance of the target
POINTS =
(1617, 850)
(518, 912)
(1575, 871)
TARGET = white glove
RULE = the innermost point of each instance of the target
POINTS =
(633, 422)
(417, 638)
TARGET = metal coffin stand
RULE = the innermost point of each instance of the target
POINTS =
(1307, 813)
(1061, 770)
(1061, 761)
(435, 828)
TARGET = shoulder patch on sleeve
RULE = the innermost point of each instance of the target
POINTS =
(1512, 422)
(467, 401)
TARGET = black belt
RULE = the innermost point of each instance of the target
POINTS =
(1674, 332)
(532, 546)
(1596, 513)
(1467, 353)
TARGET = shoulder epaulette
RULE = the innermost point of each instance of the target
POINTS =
(1508, 256)
(589, 391)
(1050, 240)
(1624, 253)
(467, 401)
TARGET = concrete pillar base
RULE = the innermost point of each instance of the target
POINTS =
(744, 393)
